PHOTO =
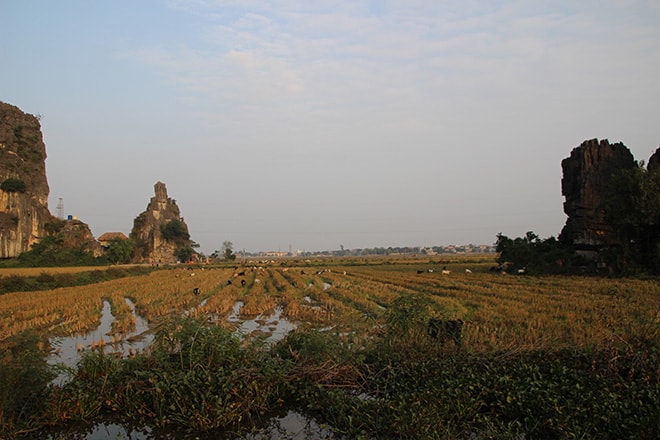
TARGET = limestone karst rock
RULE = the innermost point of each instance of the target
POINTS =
(586, 176)
(153, 243)
(77, 235)
(23, 185)
(654, 161)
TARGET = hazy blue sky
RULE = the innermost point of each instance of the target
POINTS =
(320, 124)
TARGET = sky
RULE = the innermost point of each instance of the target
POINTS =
(291, 124)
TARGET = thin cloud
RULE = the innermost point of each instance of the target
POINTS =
(411, 117)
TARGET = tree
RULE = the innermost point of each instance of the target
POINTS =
(184, 253)
(13, 185)
(228, 251)
(120, 250)
(175, 231)
(633, 209)
(531, 254)
(51, 251)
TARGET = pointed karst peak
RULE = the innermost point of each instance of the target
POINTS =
(160, 230)
(161, 191)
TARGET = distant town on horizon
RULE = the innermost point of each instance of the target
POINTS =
(390, 250)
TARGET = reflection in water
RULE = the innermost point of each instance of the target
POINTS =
(68, 350)
(290, 426)
(141, 324)
(193, 309)
(235, 312)
(275, 325)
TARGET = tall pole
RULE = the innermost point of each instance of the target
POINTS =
(60, 209)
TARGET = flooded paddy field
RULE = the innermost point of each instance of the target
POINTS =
(329, 349)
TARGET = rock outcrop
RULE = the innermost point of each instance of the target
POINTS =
(654, 161)
(23, 186)
(586, 176)
(157, 243)
(77, 235)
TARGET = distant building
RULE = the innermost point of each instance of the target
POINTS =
(105, 239)
(274, 254)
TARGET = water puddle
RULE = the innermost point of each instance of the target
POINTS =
(311, 304)
(235, 314)
(274, 325)
(291, 426)
(141, 324)
(68, 350)
(192, 310)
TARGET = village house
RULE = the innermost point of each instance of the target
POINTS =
(105, 238)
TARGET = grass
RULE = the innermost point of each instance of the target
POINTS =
(33, 279)
(543, 357)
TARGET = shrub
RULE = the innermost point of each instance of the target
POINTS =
(197, 376)
(24, 375)
(533, 255)
(13, 185)
(175, 231)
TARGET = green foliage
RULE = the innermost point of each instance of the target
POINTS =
(196, 377)
(609, 394)
(24, 375)
(120, 250)
(175, 231)
(12, 185)
(533, 255)
(633, 208)
(54, 226)
(504, 395)
(392, 380)
(408, 315)
(228, 251)
(184, 253)
(50, 252)
(200, 377)
(47, 281)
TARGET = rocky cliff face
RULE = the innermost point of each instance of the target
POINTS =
(153, 243)
(654, 161)
(23, 185)
(586, 175)
(77, 235)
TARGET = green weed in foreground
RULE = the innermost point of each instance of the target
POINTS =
(24, 376)
(448, 394)
(196, 378)
(199, 377)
